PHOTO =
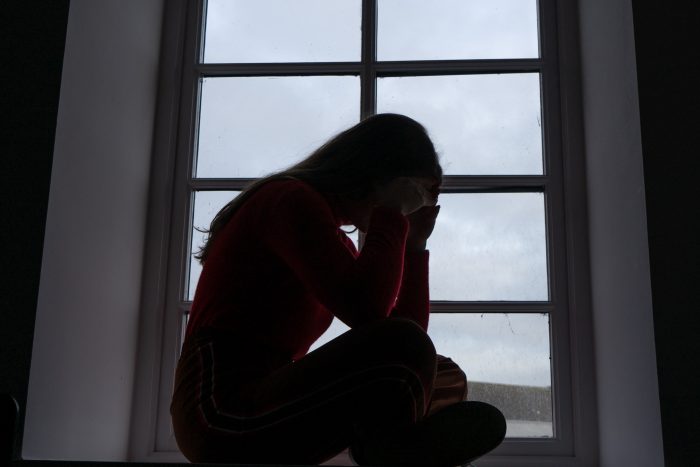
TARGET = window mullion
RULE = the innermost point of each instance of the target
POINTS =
(444, 306)
(383, 69)
(494, 183)
(223, 70)
(450, 67)
(368, 90)
(450, 184)
(212, 184)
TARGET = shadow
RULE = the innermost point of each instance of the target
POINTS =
(9, 412)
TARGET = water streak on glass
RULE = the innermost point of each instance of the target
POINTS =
(258, 31)
(480, 124)
(457, 29)
(252, 126)
(489, 246)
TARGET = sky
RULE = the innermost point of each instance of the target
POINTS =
(485, 246)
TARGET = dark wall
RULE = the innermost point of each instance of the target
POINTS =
(668, 68)
(32, 38)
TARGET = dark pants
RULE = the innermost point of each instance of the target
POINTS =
(376, 378)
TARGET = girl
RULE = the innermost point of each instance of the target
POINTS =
(277, 267)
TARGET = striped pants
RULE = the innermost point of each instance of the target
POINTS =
(373, 379)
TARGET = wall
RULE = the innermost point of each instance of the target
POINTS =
(32, 57)
(628, 400)
(81, 378)
(668, 70)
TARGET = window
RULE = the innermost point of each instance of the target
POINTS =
(264, 82)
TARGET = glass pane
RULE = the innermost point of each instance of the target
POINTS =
(481, 124)
(353, 234)
(245, 31)
(255, 125)
(456, 29)
(506, 358)
(489, 246)
(206, 205)
(337, 328)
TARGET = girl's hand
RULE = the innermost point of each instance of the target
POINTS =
(407, 194)
(422, 223)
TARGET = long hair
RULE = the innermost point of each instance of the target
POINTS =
(377, 149)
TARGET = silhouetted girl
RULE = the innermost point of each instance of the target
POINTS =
(278, 268)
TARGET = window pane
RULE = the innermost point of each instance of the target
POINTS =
(255, 125)
(481, 124)
(337, 328)
(206, 205)
(456, 29)
(245, 31)
(353, 234)
(506, 358)
(489, 246)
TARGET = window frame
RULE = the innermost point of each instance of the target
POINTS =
(562, 183)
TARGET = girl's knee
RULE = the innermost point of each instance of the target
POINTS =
(404, 332)
(405, 341)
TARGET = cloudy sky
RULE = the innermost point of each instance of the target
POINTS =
(485, 246)
(330, 30)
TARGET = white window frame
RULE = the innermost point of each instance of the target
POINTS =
(574, 404)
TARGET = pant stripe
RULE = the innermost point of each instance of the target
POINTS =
(219, 419)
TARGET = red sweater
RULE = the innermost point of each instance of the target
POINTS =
(282, 268)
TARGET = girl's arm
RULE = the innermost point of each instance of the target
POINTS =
(414, 298)
(357, 289)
